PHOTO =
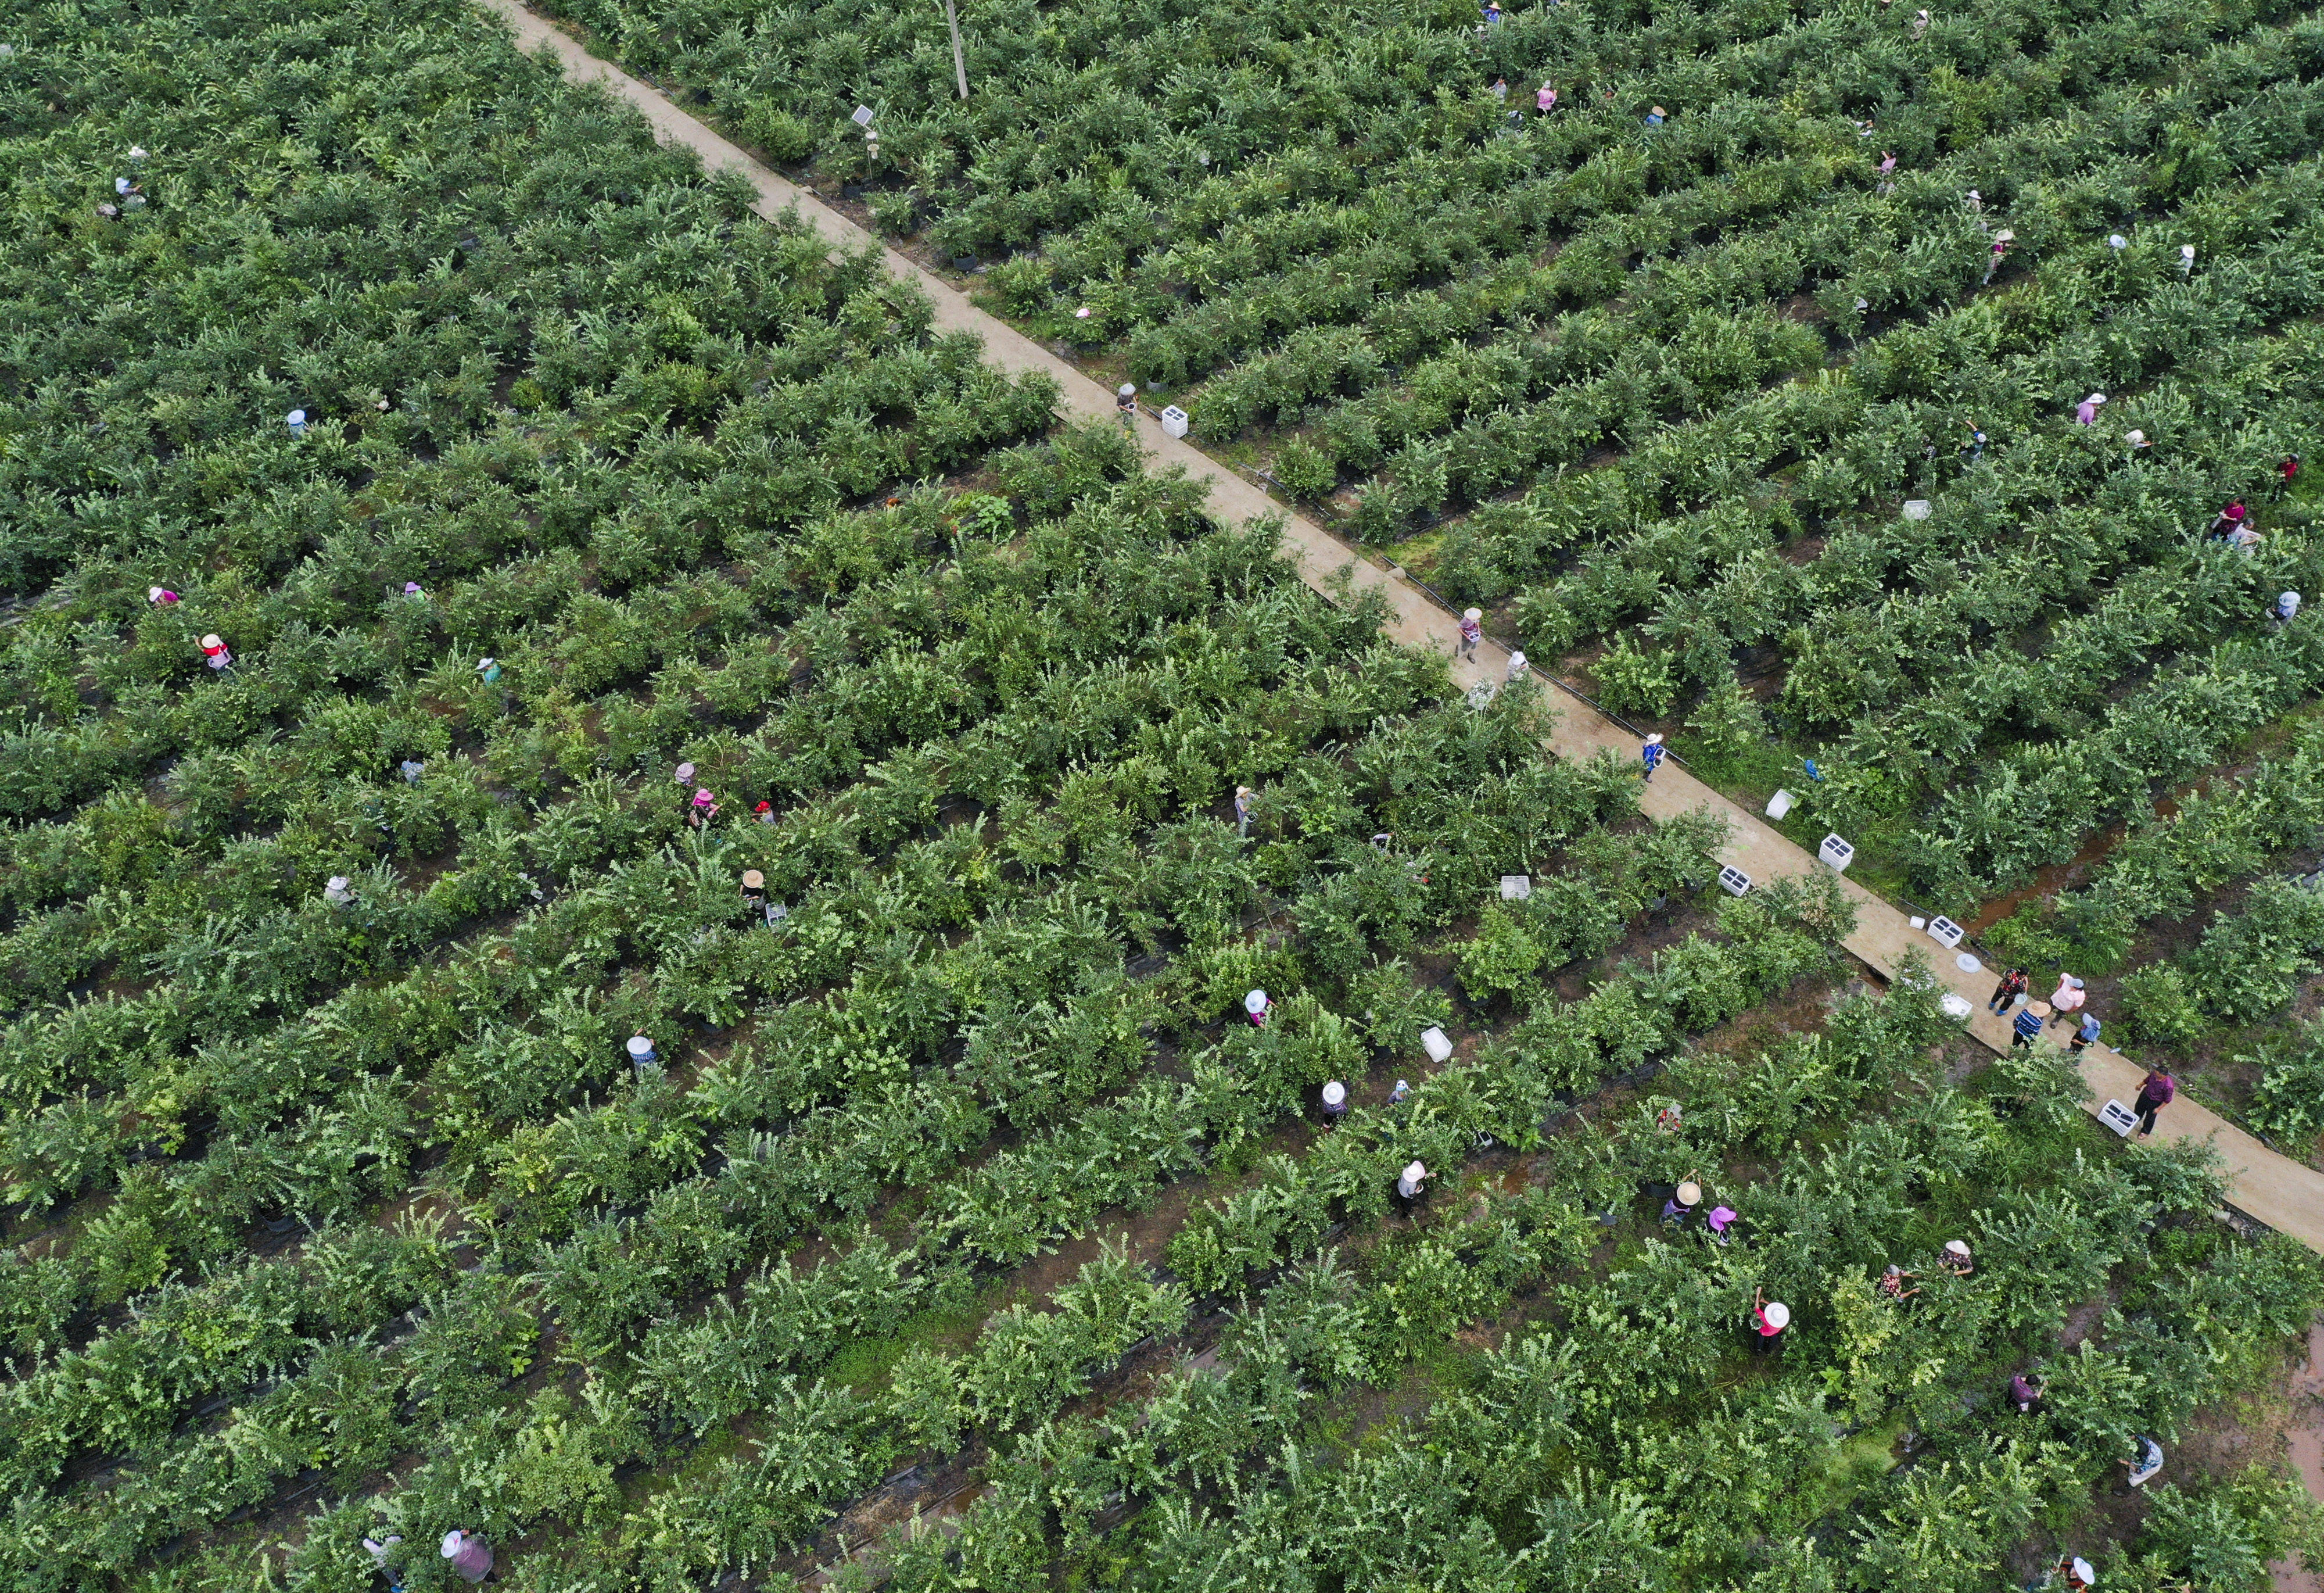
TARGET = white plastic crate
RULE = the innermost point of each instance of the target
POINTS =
(1733, 880)
(1174, 421)
(2118, 1117)
(1836, 852)
(1516, 887)
(1780, 804)
(1437, 1044)
(1945, 932)
(1955, 1006)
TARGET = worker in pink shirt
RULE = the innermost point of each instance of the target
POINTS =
(2066, 1000)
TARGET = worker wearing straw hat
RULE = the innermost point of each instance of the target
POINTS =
(1681, 1203)
(216, 654)
(1769, 1318)
(1956, 1259)
(1335, 1103)
(754, 892)
(1472, 631)
(2026, 1027)
(1409, 1186)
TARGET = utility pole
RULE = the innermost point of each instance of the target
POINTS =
(959, 62)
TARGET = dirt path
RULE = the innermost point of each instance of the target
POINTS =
(2306, 1453)
(2275, 1189)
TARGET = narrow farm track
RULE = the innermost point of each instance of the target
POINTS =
(2277, 1191)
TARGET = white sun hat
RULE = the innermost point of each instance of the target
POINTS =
(1778, 1314)
(152, 593)
(1656, 739)
(1414, 1173)
(451, 1544)
(2096, 398)
(1335, 1093)
(2085, 1570)
(1255, 1002)
(1957, 1248)
(640, 1046)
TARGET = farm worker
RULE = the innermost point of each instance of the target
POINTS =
(411, 591)
(2146, 1462)
(1887, 169)
(1501, 90)
(216, 654)
(1255, 1006)
(683, 774)
(489, 671)
(2077, 1572)
(2084, 1035)
(1651, 754)
(2027, 1028)
(1721, 1219)
(1670, 1119)
(1892, 1282)
(1400, 1094)
(641, 1050)
(2138, 443)
(1544, 99)
(2001, 242)
(470, 1555)
(336, 892)
(131, 194)
(296, 420)
(160, 596)
(1920, 24)
(2228, 519)
(2066, 999)
(1335, 1102)
(2087, 412)
(702, 809)
(1655, 117)
(1956, 1259)
(1491, 12)
(1409, 1184)
(2285, 472)
(1125, 404)
(1769, 1318)
(1976, 203)
(2287, 604)
(378, 1552)
(765, 812)
(2012, 986)
(1472, 631)
(2245, 538)
(1243, 793)
(1517, 666)
(754, 892)
(2155, 1091)
(411, 769)
(1976, 448)
(2024, 1393)
(1681, 1204)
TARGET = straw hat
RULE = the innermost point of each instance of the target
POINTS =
(1472, 614)
(1255, 1002)
(1659, 111)
(1957, 1248)
(2040, 1009)
(640, 1046)
(1690, 1194)
(1335, 1093)
(1413, 1172)
(1777, 1314)
(212, 641)
(1656, 739)
(752, 880)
